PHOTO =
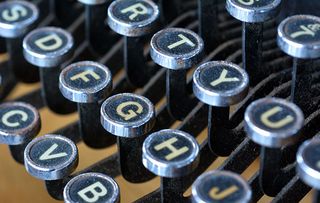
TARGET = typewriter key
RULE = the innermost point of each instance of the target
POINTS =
(272, 123)
(92, 187)
(208, 23)
(134, 19)
(129, 117)
(48, 48)
(88, 83)
(170, 154)
(96, 32)
(51, 157)
(16, 19)
(253, 13)
(19, 124)
(220, 186)
(177, 50)
(220, 84)
(299, 37)
(308, 164)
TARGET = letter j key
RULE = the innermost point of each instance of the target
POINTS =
(220, 186)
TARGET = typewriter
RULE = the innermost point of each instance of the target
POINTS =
(159, 101)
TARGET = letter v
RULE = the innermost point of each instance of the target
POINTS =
(47, 154)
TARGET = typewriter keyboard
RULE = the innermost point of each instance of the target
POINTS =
(171, 101)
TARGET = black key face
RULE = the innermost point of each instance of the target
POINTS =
(160, 147)
(170, 153)
(176, 42)
(19, 122)
(221, 187)
(176, 48)
(308, 163)
(220, 78)
(127, 115)
(220, 83)
(85, 82)
(273, 122)
(51, 157)
(50, 153)
(48, 40)
(17, 13)
(254, 4)
(133, 18)
(134, 11)
(17, 18)
(91, 187)
(128, 109)
(274, 117)
(311, 155)
(16, 117)
(299, 36)
(253, 11)
(48, 46)
(85, 77)
(302, 29)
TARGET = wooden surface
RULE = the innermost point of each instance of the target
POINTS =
(17, 186)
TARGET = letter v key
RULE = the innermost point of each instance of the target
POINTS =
(47, 154)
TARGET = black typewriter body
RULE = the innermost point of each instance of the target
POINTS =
(156, 125)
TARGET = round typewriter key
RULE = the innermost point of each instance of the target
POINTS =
(274, 124)
(134, 19)
(170, 154)
(308, 165)
(19, 124)
(220, 186)
(299, 37)
(99, 38)
(92, 187)
(253, 13)
(51, 157)
(220, 84)
(177, 49)
(16, 19)
(129, 117)
(88, 83)
(48, 48)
